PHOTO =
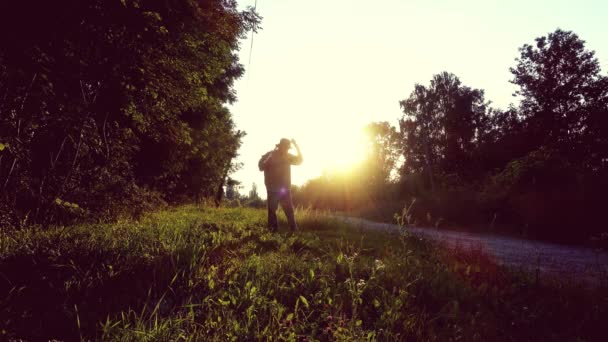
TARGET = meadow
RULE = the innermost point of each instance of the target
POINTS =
(195, 273)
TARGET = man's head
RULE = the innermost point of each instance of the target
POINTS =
(284, 145)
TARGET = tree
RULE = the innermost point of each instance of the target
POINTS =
(253, 193)
(417, 127)
(441, 127)
(383, 153)
(502, 139)
(563, 94)
(109, 103)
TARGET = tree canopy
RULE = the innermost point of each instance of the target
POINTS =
(563, 95)
(106, 103)
(441, 126)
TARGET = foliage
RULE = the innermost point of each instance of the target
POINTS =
(562, 89)
(111, 100)
(253, 193)
(441, 127)
(382, 155)
(253, 199)
(195, 273)
(539, 168)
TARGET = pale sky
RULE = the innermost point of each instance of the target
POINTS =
(322, 69)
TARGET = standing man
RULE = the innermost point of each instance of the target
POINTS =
(276, 165)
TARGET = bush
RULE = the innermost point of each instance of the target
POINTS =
(546, 196)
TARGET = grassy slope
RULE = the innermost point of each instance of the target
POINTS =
(193, 273)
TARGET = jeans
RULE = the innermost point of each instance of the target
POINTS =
(284, 197)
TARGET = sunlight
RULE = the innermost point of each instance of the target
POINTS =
(347, 153)
(339, 150)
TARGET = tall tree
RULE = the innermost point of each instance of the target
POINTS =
(417, 129)
(563, 93)
(253, 193)
(383, 152)
(441, 126)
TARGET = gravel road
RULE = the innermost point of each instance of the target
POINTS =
(568, 262)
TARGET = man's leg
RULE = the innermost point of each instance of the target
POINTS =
(273, 203)
(287, 205)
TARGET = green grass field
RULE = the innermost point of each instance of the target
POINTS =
(195, 273)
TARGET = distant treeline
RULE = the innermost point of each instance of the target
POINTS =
(107, 107)
(539, 168)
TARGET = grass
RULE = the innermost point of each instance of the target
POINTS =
(194, 273)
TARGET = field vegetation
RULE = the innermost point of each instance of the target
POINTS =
(199, 273)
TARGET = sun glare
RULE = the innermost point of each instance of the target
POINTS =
(347, 154)
(338, 151)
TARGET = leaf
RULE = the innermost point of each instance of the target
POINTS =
(358, 322)
(376, 303)
(304, 300)
(280, 312)
(2, 147)
(289, 317)
(312, 274)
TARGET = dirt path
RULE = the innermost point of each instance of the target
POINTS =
(567, 262)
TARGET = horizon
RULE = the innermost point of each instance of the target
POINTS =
(367, 72)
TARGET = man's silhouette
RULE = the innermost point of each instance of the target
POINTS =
(276, 165)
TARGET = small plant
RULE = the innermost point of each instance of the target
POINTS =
(406, 218)
(405, 221)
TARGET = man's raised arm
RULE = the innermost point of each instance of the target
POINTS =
(298, 159)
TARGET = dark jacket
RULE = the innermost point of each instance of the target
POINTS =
(277, 169)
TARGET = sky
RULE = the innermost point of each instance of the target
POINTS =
(321, 70)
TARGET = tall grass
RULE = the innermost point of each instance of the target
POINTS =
(195, 273)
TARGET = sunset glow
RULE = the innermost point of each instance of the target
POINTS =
(344, 150)
(321, 83)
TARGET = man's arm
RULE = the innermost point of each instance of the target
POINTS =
(297, 160)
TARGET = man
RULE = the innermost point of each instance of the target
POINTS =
(276, 165)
